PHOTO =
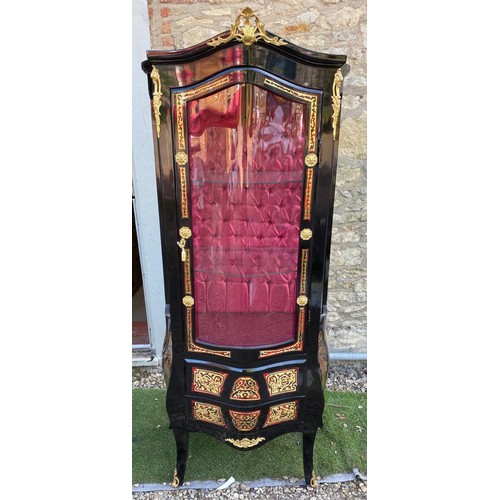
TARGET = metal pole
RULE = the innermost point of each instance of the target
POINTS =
(347, 356)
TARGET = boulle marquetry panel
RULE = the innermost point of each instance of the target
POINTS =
(244, 420)
(245, 388)
(208, 382)
(282, 381)
(208, 413)
(246, 129)
(281, 413)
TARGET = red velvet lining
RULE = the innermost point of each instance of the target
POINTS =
(250, 329)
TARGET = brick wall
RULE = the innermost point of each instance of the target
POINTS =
(331, 26)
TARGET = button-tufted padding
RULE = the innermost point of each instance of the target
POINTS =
(246, 192)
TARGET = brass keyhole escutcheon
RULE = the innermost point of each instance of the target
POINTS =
(182, 244)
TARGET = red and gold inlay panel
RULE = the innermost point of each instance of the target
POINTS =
(208, 413)
(184, 196)
(187, 273)
(303, 271)
(208, 382)
(282, 381)
(245, 420)
(308, 193)
(302, 324)
(283, 412)
(245, 388)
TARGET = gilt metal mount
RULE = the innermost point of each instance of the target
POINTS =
(155, 77)
(302, 300)
(181, 158)
(188, 301)
(336, 98)
(245, 442)
(311, 159)
(175, 480)
(247, 33)
(306, 234)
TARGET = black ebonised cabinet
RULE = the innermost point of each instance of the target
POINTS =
(246, 132)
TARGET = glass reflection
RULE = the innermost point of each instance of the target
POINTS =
(246, 147)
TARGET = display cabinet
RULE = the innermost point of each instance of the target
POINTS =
(246, 130)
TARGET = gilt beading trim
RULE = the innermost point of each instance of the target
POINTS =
(187, 272)
(301, 326)
(203, 89)
(308, 194)
(184, 197)
(303, 271)
(181, 141)
(247, 33)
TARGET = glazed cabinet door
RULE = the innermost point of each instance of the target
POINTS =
(246, 150)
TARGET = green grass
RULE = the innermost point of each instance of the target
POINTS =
(338, 447)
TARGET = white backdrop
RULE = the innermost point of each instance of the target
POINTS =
(144, 181)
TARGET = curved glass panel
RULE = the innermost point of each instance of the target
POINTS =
(246, 150)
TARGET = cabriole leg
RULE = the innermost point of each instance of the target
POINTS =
(181, 443)
(307, 449)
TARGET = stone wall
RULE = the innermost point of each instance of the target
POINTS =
(331, 26)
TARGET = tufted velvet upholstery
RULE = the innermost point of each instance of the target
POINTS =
(246, 191)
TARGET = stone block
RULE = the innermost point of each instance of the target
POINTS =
(353, 137)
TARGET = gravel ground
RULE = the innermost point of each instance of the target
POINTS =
(348, 377)
(337, 491)
(148, 378)
(342, 377)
